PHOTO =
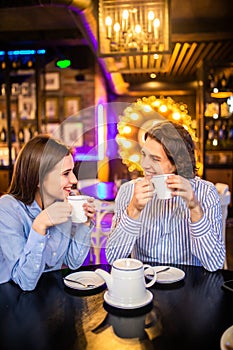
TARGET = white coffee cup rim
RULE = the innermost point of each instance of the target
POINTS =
(78, 197)
(161, 175)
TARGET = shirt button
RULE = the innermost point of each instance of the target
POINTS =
(42, 245)
(54, 253)
(37, 266)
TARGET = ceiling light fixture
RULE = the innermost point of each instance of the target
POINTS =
(131, 27)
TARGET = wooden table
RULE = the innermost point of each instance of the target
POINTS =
(190, 314)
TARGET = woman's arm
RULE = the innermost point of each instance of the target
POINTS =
(22, 248)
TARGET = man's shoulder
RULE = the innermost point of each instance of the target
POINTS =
(204, 185)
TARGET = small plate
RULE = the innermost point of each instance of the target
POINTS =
(170, 276)
(227, 339)
(147, 300)
(86, 277)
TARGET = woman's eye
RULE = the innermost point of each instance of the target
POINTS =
(66, 173)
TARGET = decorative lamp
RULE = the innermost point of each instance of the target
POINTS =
(132, 27)
(140, 116)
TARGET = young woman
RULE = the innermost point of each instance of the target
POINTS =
(36, 232)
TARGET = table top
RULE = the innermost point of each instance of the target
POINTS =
(189, 314)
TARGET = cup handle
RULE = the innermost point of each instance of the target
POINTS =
(149, 284)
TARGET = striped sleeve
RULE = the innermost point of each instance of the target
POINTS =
(206, 235)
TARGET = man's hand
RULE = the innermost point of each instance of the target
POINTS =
(143, 193)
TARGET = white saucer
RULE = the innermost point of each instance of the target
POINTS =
(170, 276)
(227, 338)
(86, 277)
(147, 300)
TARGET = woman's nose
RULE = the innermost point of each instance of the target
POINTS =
(73, 178)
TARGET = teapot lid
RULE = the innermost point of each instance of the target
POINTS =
(127, 264)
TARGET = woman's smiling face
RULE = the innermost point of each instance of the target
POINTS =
(58, 183)
(154, 159)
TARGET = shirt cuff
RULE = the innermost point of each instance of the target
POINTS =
(35, 241)
(200, 227)
(130, 226)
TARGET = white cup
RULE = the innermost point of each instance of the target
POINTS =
(161, 189)
(78, 213)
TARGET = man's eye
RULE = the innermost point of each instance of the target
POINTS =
(155, 159)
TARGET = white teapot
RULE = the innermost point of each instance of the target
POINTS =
(126, 283)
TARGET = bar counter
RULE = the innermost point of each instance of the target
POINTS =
(189, 314)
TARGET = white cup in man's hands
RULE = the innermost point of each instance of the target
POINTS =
(78, 213)
(160, 185)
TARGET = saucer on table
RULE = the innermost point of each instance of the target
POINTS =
(85, 277)
(170, 276)
(226, 342)
(147, 300)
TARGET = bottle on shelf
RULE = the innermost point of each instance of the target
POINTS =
(3, 135)
(211, 131)
(13, 134)
(230, 131)
(21, 136)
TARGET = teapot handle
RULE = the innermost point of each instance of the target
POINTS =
(152, 271)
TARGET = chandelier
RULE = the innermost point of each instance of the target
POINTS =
(132, 27)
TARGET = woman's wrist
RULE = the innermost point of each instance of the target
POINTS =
(39, 227)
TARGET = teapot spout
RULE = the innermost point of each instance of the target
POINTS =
(106, 276)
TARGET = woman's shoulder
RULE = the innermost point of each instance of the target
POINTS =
(8, 200)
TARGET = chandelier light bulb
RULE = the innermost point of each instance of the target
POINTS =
(156, 23)
(151, 15)
(108, 22)
(138, 29)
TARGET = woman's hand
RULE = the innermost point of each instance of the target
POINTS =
(55, 214)
(143, 193)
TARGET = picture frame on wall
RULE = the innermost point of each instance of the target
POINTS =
(51, 109)
(72, 105)
(26, 107)
(52, 81)
(72, 134)
(53, 129)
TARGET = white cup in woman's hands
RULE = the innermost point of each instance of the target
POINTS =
(78, 212)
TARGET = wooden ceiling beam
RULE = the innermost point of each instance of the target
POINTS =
(183, 51)
(193, 59)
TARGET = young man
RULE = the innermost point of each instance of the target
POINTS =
(186, 229)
